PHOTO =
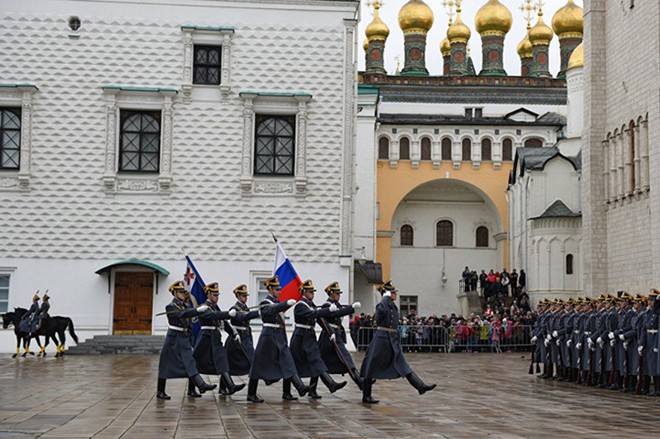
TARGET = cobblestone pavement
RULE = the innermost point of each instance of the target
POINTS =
(478, 395)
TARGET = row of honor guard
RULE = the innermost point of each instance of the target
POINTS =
(273, 359)
(610, 342)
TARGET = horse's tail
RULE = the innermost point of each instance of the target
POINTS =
(71, 331)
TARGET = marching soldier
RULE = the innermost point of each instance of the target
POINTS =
(551, 354)
(625, 315)
(176, 357)
(240, 347)
(333, 350)
(384, 358)
(647, 344)
(304, 347)
(210, 354)
(272, 357)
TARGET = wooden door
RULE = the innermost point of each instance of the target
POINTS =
(133, 303)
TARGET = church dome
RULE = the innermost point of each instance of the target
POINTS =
(493, 18)
(415, 15)
(377, 29)
(458, 32)
(445, 47)
(365, 44)
(540, 33)
(577, 57)
(568, 20)
(525, 47)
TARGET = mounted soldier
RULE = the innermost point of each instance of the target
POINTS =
(29, 320)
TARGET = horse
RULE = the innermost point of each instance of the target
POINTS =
(50, 328)
(14, 318)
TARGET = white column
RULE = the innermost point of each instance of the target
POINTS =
(644, 152)
(606, 170)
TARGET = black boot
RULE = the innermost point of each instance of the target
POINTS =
(313, 382)
(286, 391)
(418, 384)
(656, 386)
(357, 379)
(192, 391)
(646, 385)
(632, 384)
(299, 385)
(203, 386)
(160, 393)
(232, 388)
(366, 393)
(223, 387)
(331, 384)
(252, 391)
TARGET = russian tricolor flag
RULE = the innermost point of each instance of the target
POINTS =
(289, 279)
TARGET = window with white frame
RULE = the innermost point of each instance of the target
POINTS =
(10, 138)
(4, 292)
(207, 61)
(138, 140)
(15, 136)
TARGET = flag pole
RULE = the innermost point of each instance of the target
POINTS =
(274, 238)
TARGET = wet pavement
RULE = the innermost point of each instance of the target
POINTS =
(478, 395)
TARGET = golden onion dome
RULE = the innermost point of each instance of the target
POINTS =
(569, 20)
(377, 29)
(540, 33)
(577, 57)
(445, 47)
(365, 44)
(493, 18)
(458, 32)
(525, 47)
(415, 16)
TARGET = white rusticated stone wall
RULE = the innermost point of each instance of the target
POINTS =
(67, 219)
(622, 49)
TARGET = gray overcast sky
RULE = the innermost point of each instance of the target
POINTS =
(394, 45)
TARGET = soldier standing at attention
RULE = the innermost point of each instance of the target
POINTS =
(647, 344)
(304, 347)
(239, 345)
(272, 357)
(210, 354)
(176, 357)
(384, 358)
(333, 351)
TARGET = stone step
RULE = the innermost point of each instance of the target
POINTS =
(119, 344)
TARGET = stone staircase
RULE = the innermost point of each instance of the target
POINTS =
(118, 344)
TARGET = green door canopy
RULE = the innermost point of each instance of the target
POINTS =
(134, 261)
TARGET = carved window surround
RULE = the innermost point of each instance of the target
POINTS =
(216, 36)
(19, 95)
(275, 104)
(137, 98)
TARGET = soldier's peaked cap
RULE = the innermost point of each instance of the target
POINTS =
(272, 282)
(46, 296)
(241, 290)
(177, 286)
(640, 298)
(387, 286)
(626, 296)
(654, 293)
(333, 288)
(35, 297)
(307, 286)
(212, 288)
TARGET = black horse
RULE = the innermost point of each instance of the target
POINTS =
(50, 327)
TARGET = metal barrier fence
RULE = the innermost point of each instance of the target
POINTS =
(424, 338)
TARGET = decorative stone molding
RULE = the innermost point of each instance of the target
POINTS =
(280, 104)
(216, 36)
(135, 98)
(19, 95)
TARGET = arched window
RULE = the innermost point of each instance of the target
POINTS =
(426, 149)
(466, 150)
(631, 136)
(482, 236)
(404, 148)
(383, 148)
(444, 233)
(446, 149)
(533, 143)
(569, 264)
(406, 235)
(507, 150)
(486, 150)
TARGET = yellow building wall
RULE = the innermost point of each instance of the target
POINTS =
(393, 184)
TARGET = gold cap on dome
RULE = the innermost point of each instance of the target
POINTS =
(540, 34)
(568, 21)
(577, 57)
(445, 47)
(525, 49)
(458, 32)
(493, 18)
(415, 16)
(377, 29)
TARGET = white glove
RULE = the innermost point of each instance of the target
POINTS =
(232, 312)
(356, 305)
(333, 337)
(387, 294)
(578, 346)
(621, 337)
(545, 342)
(590, 343)
(640, 349)
(548, 338)
(569, 343)
(555, 334)
(237, 337)
(533, 340)
(612, 343)
(611, 335)
(558, 342)
(291, 302)
(202, 308)
(655, 350)
(333, 307)
(599, 340)
(625, 345)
